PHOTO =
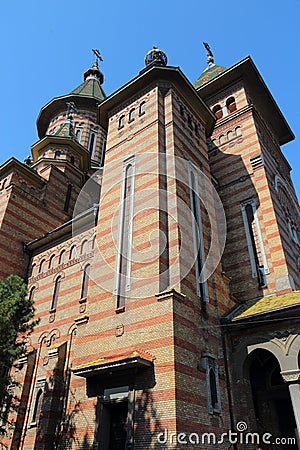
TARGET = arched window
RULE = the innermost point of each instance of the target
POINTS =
(125, 235)
(61, 257)
(102, 157)
(84, 246)
(131, 115)
(213, 389)
(42, 264)
(217, 110)
(78, 134)
(33, 267)
(181, 111)
(37, 406)
(197, 238)
(31, 294)
(55, 293)
(72, 159)
(92, 142)
(190, 123)
(229, 135)
(51, 261)
(85, 281)
(68, 198)
(230, 104)
(72, 252)
(142, 109)
(222, 139)
(238, 131)
(121, 121)
(258, 259)
(57, 154)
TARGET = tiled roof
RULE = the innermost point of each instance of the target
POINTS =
(116, 358)
(209, 73)
(267, 304)
(90, 88)
(66, 130)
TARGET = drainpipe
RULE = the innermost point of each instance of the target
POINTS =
(227, 377)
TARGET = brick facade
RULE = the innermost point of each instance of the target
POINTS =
(148, 365)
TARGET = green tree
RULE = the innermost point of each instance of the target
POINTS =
(16, 314)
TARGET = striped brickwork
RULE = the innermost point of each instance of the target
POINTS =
(238, 181)
(169, 325)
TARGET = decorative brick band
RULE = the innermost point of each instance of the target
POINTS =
(62, 266)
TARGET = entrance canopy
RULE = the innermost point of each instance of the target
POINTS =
(114, 363)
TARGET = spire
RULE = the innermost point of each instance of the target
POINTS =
(93, 79)
(211, 71)
(67, 128)
(210, 56)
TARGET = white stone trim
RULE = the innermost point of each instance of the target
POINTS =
(127, 162)
(193, 170)
(259, 237)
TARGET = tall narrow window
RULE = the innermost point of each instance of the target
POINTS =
(78, 134)
(102, 157)
(31, 294)
(85, 281)
(57, 154)
(37, 401)
(84, 246)
(37, 406)
(198, 242)
(122, 121)
(55, 293)
(238, 131)
(131, 115)
(213, 388)
(142, 108)
(68, 198)
(62, 257)
(209, 363)
(258, 260)
(217, 110)
(231, 105)
(92, 142)
(72, 252)
(51, 261)
(33, 268)
(122, 282)
(42, 266)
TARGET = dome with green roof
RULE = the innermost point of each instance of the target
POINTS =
(211, 71)
(91, 86)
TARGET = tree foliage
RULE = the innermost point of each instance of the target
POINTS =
(16, 314)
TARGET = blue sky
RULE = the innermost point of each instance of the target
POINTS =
(46, 47)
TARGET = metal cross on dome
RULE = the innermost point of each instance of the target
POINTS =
(71, 109)
(210, 56)
(97, 54)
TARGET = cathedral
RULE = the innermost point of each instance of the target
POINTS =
(158, 231)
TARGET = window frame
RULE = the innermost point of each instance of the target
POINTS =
(195, 208)
(127, 163)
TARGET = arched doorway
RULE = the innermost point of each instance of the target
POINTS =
(271, 398)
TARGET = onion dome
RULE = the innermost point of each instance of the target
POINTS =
(156, 57)
(67, 128)
(211, 71)
(91, 86)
